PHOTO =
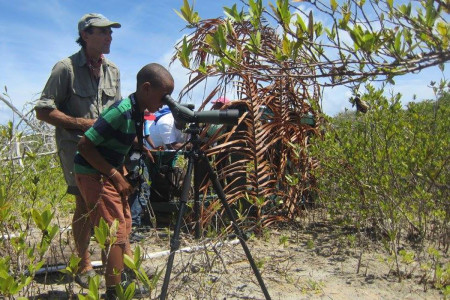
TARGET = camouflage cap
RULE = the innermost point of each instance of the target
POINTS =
(97, 20)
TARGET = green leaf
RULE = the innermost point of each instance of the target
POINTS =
(53, 231)
(233, 14)
(37, 218)
(137, 254)
(255, 12)
(42, 220)
(220, 36)
(331, 33)
(101, 233)
(443, 28)
(185, 53)
(202, 68)
(300, 24)
(333, 5)
(397, 43)
(282, 13)
(129, 292)
(406, 9)
(255, 42)
(188, 14)
(344, 21)
(129, 262)
(94, 283)
(431, 13)
(390, 4)
(286, 46)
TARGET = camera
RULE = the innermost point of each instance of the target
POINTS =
(133, 178)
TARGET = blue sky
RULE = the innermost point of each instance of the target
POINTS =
(34, 35)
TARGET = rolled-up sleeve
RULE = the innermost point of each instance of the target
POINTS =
(56, 91)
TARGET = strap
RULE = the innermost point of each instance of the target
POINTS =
(138, 118)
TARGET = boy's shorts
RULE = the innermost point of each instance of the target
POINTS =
(103, 201)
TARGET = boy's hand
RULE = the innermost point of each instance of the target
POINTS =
(124, 188)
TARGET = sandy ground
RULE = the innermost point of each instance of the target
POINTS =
(312, 263)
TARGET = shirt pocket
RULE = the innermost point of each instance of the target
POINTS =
(84, 93)
(83, 102)
(109, 93)
(110, 85)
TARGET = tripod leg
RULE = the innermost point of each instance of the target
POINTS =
(197, 200)
(175, 240)
(219, 190)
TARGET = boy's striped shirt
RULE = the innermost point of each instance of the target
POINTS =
(113, 134)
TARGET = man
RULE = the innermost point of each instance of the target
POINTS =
(78, 89)
(100, 159)
(219, 103)
(165, 132)
(167, 136)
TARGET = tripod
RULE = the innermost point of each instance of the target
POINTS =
(193, 156)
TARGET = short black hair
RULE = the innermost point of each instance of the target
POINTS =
(154, 73)
(80, 40)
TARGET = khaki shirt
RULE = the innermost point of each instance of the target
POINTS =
(72, 90)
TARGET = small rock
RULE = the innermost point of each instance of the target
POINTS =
(195, 269)
(370, 278)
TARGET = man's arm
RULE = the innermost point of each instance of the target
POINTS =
(150, 141)
(174, 146)
(57, 118)
(56, 91)
(90, 153)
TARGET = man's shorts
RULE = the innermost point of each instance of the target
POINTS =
(103, 201)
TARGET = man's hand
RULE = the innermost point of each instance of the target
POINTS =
(84, 124)
(57, 118)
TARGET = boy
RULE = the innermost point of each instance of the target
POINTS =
(100, 158)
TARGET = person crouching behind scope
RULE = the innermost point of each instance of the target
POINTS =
(99, 164)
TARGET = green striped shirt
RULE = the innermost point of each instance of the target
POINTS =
(112, 134)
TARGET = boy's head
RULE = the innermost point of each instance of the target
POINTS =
(153, 83)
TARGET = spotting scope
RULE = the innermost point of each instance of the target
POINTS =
(185, 115)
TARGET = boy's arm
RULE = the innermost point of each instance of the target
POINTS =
(90, 153)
